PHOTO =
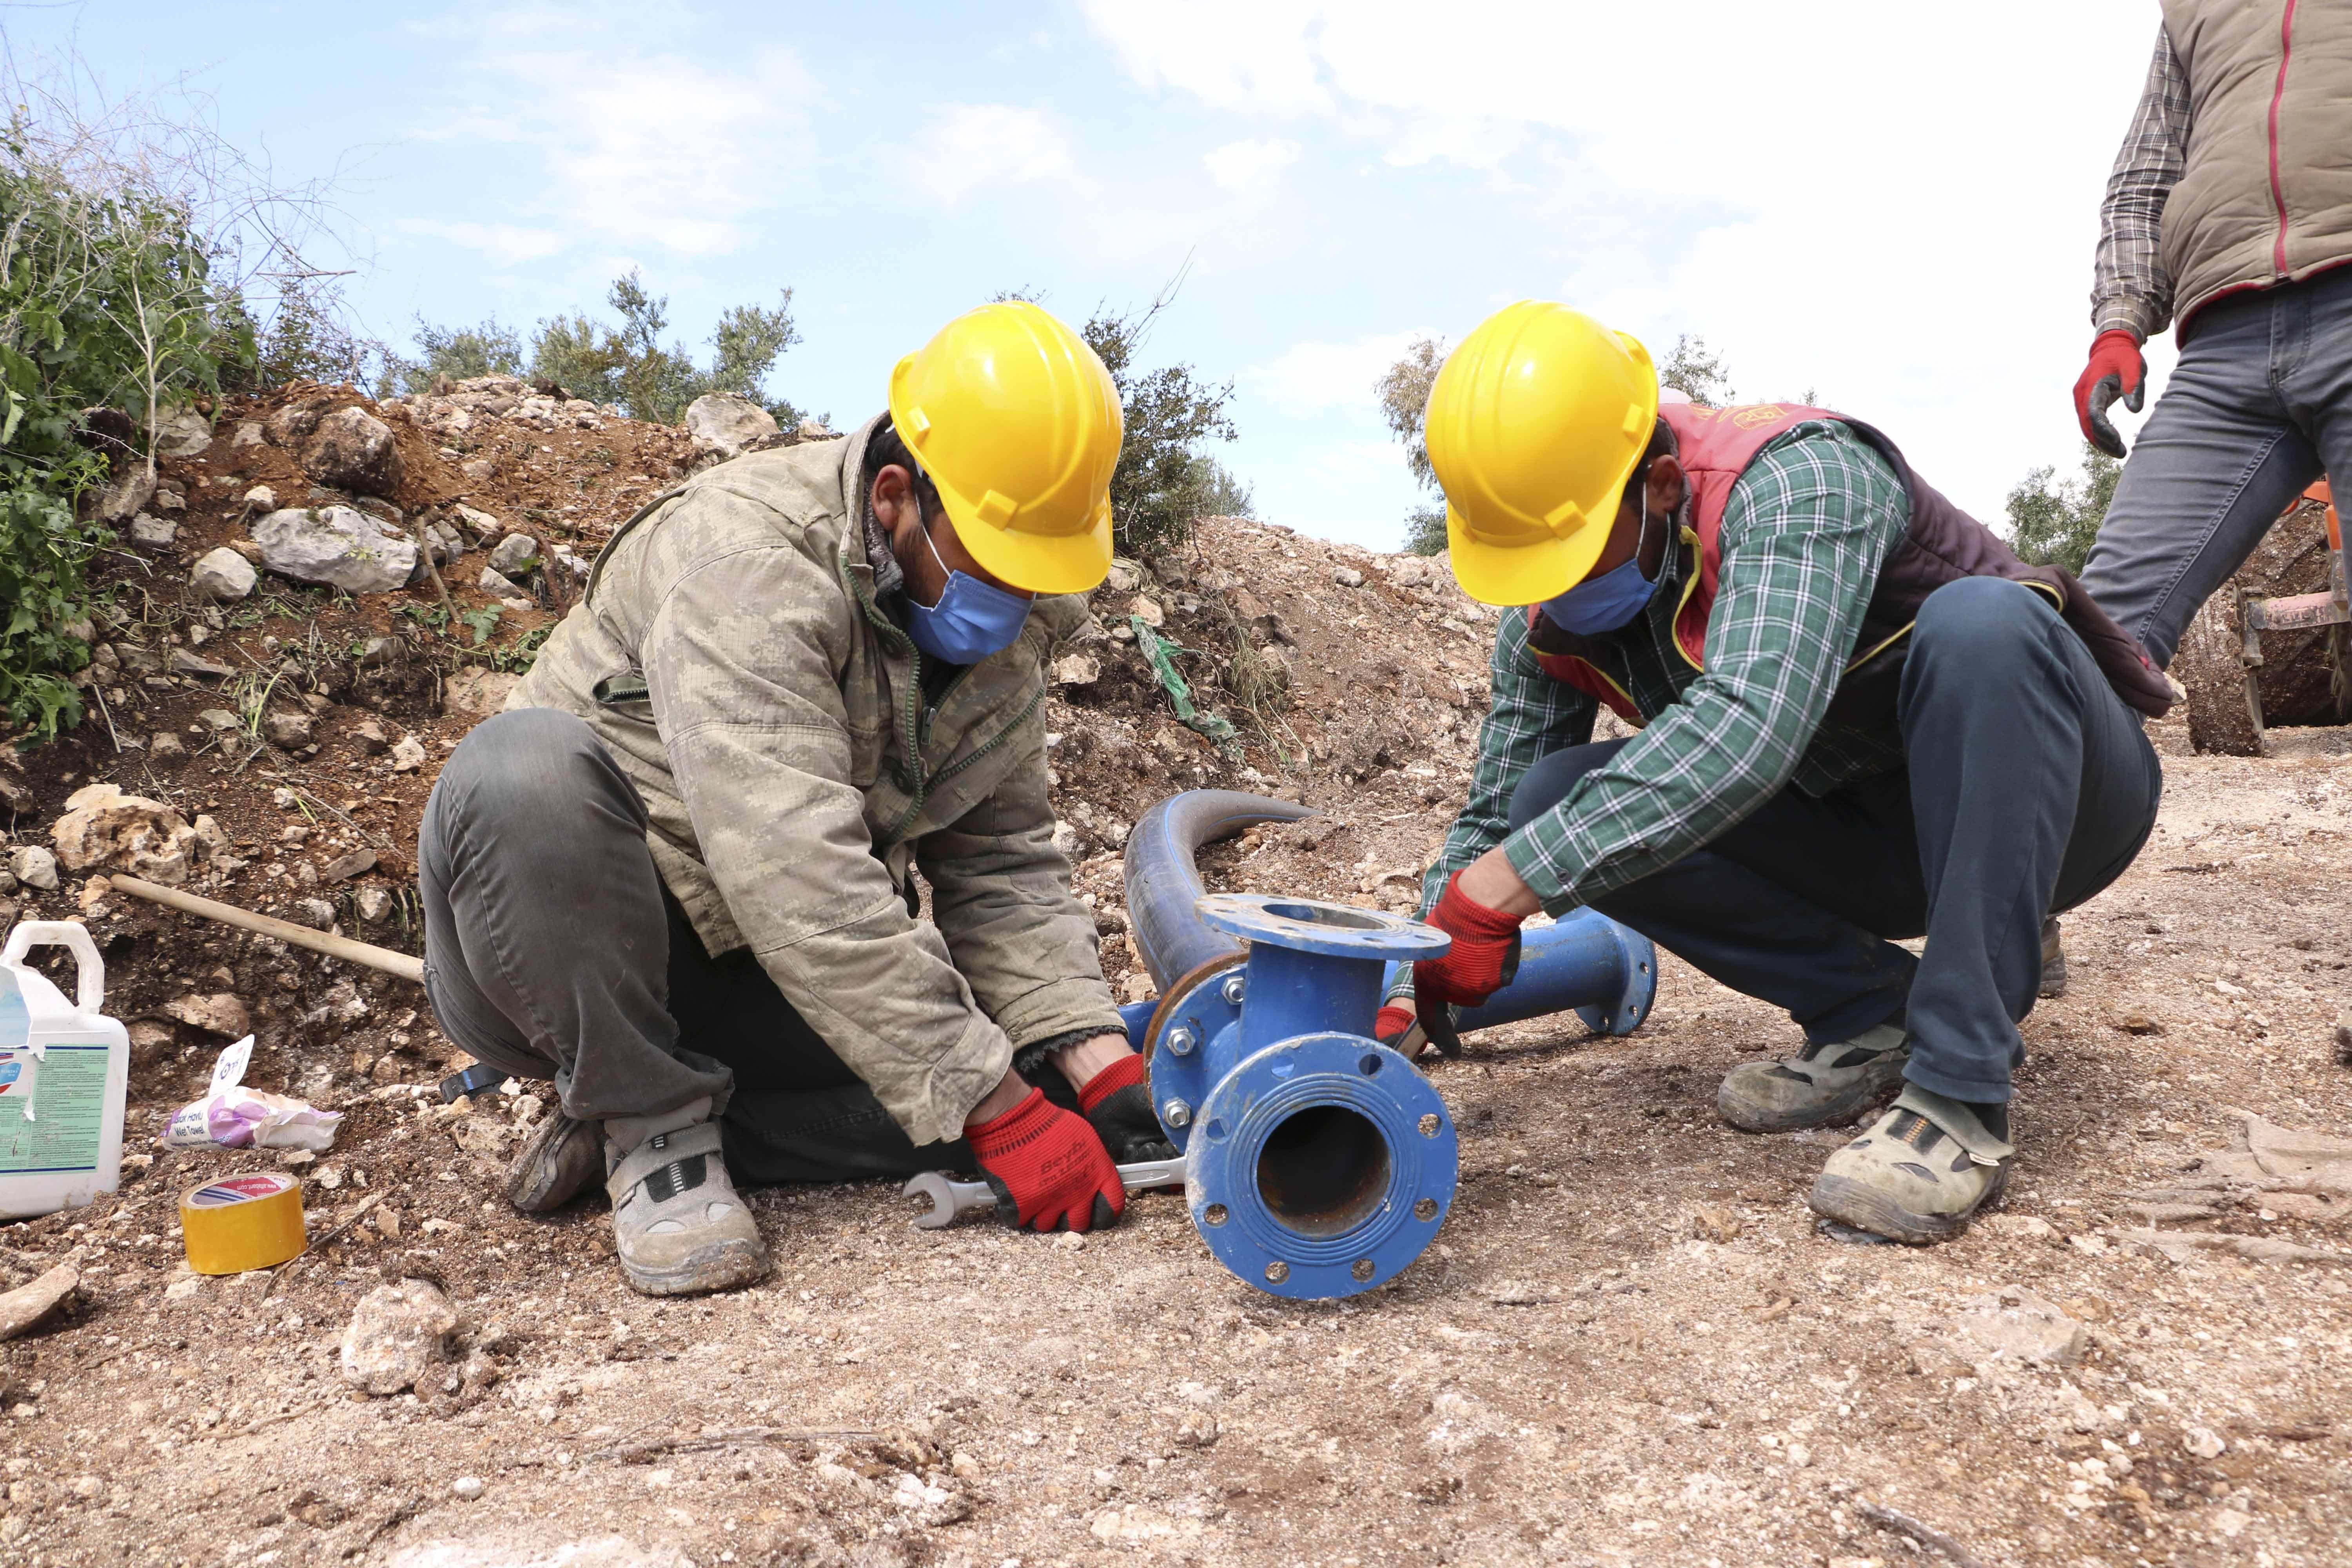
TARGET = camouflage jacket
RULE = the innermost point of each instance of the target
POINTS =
(729, 653)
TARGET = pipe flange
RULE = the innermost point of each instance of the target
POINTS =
(1316, 926)
(1323, 1166)
(1195, 1004)
(1625, 1013)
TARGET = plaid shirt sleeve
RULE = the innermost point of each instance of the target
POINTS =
(2129, 287)
(1530, 715)
(1804, 532)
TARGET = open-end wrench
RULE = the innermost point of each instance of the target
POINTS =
(951, 1200)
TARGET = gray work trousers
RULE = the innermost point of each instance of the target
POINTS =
(2259, 407)
(552, 950)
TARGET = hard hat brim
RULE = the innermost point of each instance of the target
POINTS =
(1527, 573)
(1034, 563)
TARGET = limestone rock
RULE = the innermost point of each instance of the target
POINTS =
(127, 497)
(165, 746)
(181, 432)
(515, 554)
(352, 449)
(248, 433)
(1077, 669)
(153, 533)
(369, 733)
(398, 1333)
(498, 584)
(316, 913)
(1347, 577)
(261, 498)
(478, 692)
(183, 662)
(297, 420)
(22, 1308)
(347, 865)
(291, 731)
(104, 828)
(222, 573)
(407, 754)
(723, 423)
(375, 904)
(485, 528)
(2016, 1325)
(35, 867)
(336, 545)
(220, 1013)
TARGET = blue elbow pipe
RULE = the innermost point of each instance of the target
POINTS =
(1320, 1163)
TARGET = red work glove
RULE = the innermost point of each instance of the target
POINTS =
(1485, 955)
(2115, 371)
(1117, 1103)
(1048, 1168)
(1391, 1025)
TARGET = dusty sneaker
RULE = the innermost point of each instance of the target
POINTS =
(1825, 1085)
(2053, 960)
(1918, 1173)
(558, 1160)
(677, 1223)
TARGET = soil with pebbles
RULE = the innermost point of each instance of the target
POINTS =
(1630, 1344)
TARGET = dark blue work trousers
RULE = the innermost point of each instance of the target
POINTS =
(2027, 787)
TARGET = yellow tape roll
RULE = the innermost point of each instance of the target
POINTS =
(237, 1223)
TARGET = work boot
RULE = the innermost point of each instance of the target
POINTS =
(678, 1224)
(1918, 1173)
(1827, 1084)
(2053, 960)
(558, 1160)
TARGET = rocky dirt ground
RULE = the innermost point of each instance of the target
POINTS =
(1631, 1344)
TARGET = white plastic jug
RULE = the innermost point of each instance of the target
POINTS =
(64, 1071)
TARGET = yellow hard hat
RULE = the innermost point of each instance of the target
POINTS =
(1017, 421)
(1535, 423)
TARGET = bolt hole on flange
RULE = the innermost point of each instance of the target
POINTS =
(1276, 1272)
(1217, 1213)
(1425, 1210)
(1369, 1065)
(1430, 1125)
(1324, 1170)
(1361, 1269)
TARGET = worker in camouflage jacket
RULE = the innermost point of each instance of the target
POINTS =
(1861, 718)
(677, 874)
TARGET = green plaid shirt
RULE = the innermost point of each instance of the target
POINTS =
(1805, 530)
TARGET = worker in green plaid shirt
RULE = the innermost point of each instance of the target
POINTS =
(1861, 718)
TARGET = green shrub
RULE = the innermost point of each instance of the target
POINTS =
(629, 365)
(106, 301)
(1163, 482)
(2054, 523)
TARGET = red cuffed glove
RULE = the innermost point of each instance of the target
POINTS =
(1048, 1168)
(2115, 371)
(1117, 1103)
(1485, 955)
(1391, 1025)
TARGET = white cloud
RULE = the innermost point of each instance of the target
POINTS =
(1307, 377)
(1895, 204)
(972, 146)
(1252, 167)
(509, 244)
(640, 145)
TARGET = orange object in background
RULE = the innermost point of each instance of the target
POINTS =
(2321, 492)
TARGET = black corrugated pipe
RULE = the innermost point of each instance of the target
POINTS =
(1163, 883)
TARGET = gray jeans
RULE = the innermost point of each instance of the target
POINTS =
(551, 951)
(2259, 407)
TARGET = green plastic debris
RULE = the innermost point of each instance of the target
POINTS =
(1161, 652)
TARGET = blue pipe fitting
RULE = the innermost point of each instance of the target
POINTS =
(1319, 1161)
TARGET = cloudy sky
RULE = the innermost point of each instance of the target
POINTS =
(1894, 204)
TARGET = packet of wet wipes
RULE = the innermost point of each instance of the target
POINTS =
(231, 1116)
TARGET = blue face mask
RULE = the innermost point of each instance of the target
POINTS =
(1605, 603)
(972, 619)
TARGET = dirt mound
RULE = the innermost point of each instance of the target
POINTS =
(1629, 1344)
